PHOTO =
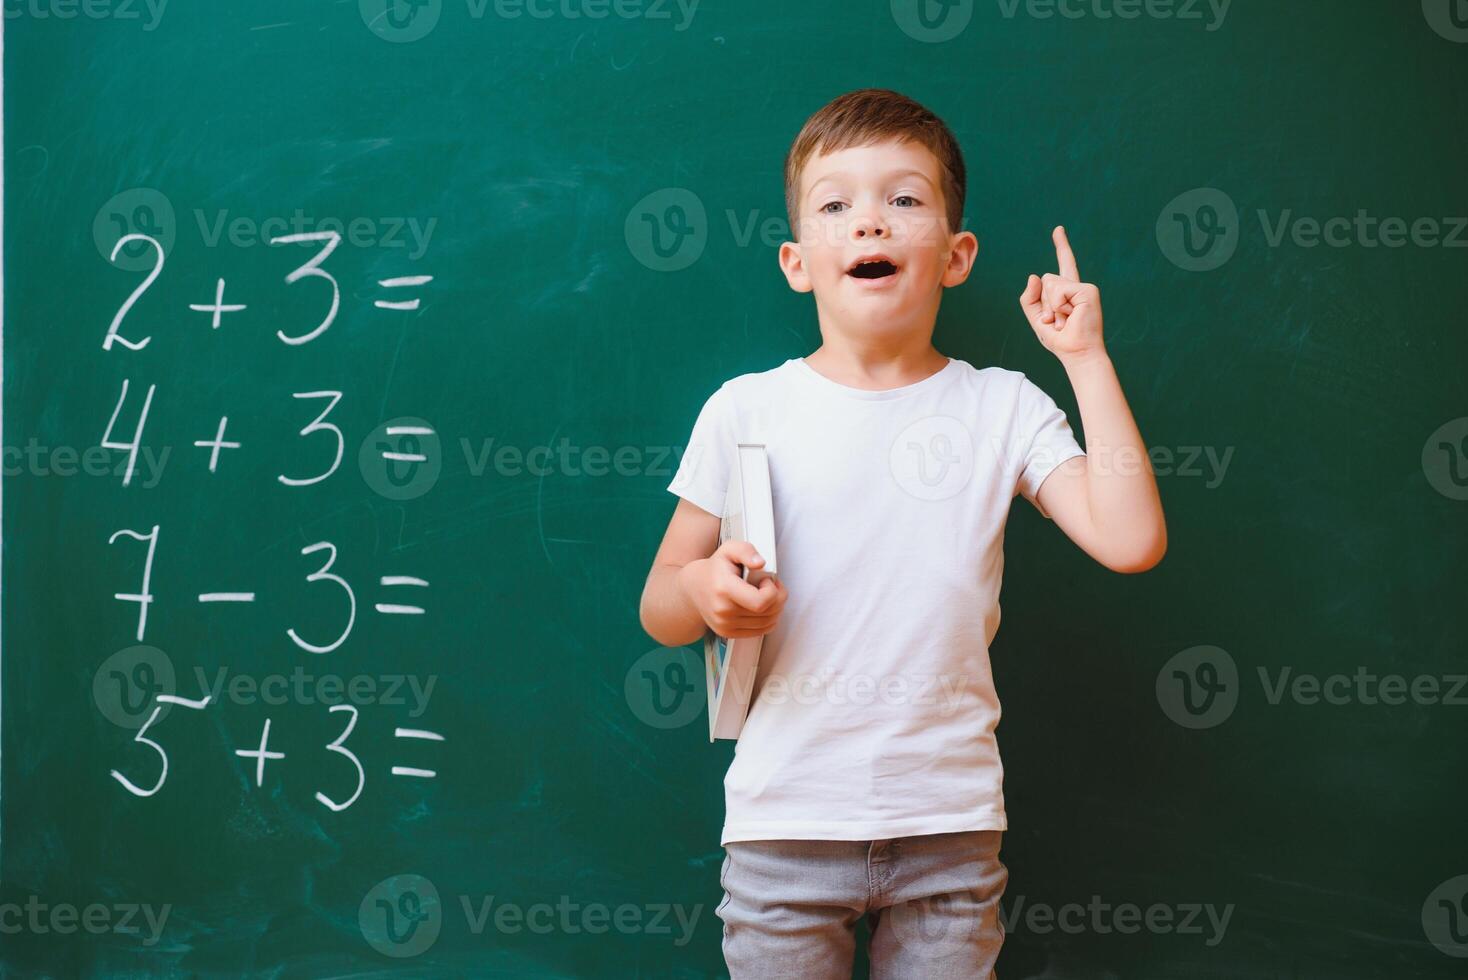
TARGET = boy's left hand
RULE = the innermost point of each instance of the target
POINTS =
(1064, 312)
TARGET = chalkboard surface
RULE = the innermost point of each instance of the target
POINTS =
(349, 348)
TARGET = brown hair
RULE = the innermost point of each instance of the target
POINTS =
(872, 115)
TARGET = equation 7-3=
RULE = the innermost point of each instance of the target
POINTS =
(144, 597)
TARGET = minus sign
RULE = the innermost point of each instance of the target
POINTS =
(226, 597)
(417, 733)
(410, 771)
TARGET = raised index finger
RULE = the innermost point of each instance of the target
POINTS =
(1064, 256)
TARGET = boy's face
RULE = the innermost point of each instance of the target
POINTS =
(872, 239)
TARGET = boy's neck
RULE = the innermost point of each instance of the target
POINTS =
(877, 364)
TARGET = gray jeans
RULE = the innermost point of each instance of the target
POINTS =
(790, 907)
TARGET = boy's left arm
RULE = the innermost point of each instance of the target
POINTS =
(1105, 501)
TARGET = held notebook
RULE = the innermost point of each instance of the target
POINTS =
(729, 665)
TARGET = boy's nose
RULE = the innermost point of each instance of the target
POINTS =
(868, 227)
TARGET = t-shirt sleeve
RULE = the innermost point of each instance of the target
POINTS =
(1042, 427)
(703, 472)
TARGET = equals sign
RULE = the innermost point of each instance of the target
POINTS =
(394, 609)
(399, 283)
(421, 734)
(407, 430)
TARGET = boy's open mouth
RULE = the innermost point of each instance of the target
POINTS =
(873, 267)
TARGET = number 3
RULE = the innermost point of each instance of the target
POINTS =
(337, 747)
(312, 269)
(324, 574)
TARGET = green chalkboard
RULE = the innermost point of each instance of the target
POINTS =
(552, 233)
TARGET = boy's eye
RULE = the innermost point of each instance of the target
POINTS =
(912, 201)
(826, 208)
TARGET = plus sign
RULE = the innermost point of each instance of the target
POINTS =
(217, 444)
(260, 755)
(218, 307)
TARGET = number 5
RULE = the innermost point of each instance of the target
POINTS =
(162, 699)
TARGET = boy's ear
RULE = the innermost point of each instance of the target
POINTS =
(793, 265)
(963, 249)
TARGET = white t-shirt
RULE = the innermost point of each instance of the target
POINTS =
(873, 710)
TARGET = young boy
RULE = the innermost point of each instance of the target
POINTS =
(867, 779)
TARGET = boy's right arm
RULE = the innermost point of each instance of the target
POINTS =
(695, 585)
